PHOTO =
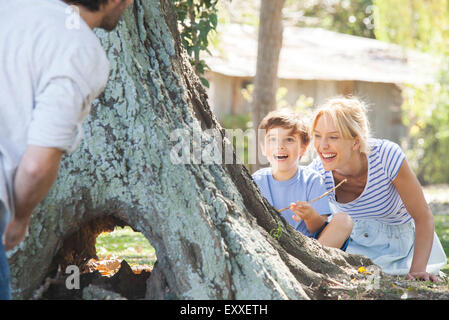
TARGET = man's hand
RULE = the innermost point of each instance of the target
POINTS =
(15, 233)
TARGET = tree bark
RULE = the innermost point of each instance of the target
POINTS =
(208, 223)
(268, 51)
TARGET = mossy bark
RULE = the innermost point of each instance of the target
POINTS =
(208, 223)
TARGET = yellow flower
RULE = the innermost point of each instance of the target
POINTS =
(362, 270)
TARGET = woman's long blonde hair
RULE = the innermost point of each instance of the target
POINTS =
(349, 117)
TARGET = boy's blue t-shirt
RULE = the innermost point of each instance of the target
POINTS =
(306, 185)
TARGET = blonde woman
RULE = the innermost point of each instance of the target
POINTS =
(393, 225)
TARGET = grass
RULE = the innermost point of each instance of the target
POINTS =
(437, 196)
(442, 230)
(126, 244)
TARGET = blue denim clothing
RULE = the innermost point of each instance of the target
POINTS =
(391, 247)
(5, 286)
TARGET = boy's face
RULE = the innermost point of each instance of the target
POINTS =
(282, 149)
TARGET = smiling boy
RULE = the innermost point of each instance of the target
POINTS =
(286, 184)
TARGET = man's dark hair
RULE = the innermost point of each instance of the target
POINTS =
(92, 5)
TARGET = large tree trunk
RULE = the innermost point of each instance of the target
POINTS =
(268, 51)
(208, 222)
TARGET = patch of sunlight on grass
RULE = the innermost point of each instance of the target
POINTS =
(442, 230)
(126, 244)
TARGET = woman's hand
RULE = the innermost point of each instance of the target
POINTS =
(425, 276)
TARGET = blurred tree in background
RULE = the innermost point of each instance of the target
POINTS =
(422, 25)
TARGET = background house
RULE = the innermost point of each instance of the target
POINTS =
(320, 64)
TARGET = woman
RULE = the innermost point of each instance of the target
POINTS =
(393, 225)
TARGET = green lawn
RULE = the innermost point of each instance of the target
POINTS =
(126, 244)
(442, 230)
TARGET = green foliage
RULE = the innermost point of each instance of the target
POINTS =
(442, 230)
(427, 112)
(422, 25)
(239, 121)
(240, 12)
(355, 17)
(196, 19)
(418, 24)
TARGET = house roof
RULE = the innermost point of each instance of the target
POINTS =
(318, 54)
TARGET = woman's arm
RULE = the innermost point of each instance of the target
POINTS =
(412, 196)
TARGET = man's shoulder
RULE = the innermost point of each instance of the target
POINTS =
(51, 23)
(60, 43)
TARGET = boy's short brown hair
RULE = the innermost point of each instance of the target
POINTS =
(287, 119)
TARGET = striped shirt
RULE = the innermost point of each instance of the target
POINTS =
(379, 200)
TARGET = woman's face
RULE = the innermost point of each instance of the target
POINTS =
(334, 150)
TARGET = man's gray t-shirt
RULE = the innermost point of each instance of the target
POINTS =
(52, 66)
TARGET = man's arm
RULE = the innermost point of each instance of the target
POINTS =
(35, 176)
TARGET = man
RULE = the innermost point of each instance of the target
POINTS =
(51, 69)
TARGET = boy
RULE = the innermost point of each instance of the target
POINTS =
(285, 182)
